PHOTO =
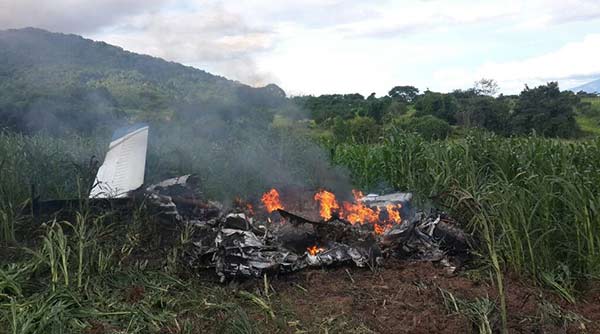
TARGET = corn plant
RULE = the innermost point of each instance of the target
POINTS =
(479, 311)
(54, 253)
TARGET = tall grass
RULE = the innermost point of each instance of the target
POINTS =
(84, 277)
(534, 202)
(539, 196)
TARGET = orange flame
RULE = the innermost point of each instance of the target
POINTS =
(271, 200)
(314, 250)
(358, 212)
(327, 203)
(379, 229)
(393, 212)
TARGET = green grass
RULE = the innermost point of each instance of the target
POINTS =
(539, 198)
(589, 125)
(110, 273)
(533, 202)
(589, 118)
(88, 276)
(595, 101)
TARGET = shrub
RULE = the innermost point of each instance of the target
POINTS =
(358, 129)
(429, 127)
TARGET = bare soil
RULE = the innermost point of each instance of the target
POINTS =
(405, 297)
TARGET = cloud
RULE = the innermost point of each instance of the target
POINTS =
(567, 11)
(210, 37)
(75, 16)
(571, 65)
(426, 16)
(308, 14)
(312, 44)
(390, 20)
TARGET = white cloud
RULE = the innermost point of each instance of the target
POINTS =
(320, 46)
(570, 65)
(210, 38)
(423, 16)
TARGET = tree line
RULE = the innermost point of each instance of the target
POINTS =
(544, 110)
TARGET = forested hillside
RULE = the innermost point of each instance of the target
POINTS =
(60, 83)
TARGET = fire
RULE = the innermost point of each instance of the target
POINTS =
(379, 229)
(355, 212)
(394, 213)
(358, 212)
(271, 200)
(314, 250)
(327, 204)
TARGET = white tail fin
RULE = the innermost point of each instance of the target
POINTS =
(124, 164)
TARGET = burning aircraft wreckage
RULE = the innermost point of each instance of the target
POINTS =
(244, 242)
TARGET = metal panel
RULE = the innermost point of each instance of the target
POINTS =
(124, 164)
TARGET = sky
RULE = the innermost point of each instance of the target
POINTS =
(334, 46)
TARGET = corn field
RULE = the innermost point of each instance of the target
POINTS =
(538, 198)
(532, 203)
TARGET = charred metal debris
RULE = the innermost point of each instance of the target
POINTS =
(237, 245)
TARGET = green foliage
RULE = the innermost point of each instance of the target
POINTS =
(133, 290)
(588, 115)
(358, 129)
(429, 127)
(326, 107)
(405, 94)
(65, 84)
(442, 106)
(395, 109)
(486, 87)
(537, 197)
(547, 111)
(376, 108)
(479, 311)
(484, 112)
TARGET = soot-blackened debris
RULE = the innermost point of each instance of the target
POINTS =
(239, 246)
(179, 198)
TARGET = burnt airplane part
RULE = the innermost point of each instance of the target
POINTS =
(236, 245)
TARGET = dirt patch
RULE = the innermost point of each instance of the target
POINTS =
(405, 297)
(134, 294)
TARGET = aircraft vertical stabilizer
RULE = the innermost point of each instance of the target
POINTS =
(124, 164)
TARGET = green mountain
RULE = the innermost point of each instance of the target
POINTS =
(62, 82)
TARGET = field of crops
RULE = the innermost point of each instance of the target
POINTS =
(536, 199)
(589, 117)
(533, 204)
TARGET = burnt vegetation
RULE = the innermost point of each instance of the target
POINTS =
(519, 172)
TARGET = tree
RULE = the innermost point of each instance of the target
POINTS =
(476, 110)
(376, 108)
(429, 127)
(405, 94)
(486, 87)
(546, 110)
(359, 129)
(326, 107)
(485, 112)
(442, 106)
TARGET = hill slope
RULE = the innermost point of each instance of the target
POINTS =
(590, 87)
(60, 82)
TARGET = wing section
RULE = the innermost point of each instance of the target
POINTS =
(124, 164)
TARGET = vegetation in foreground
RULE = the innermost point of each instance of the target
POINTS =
(533, 203)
